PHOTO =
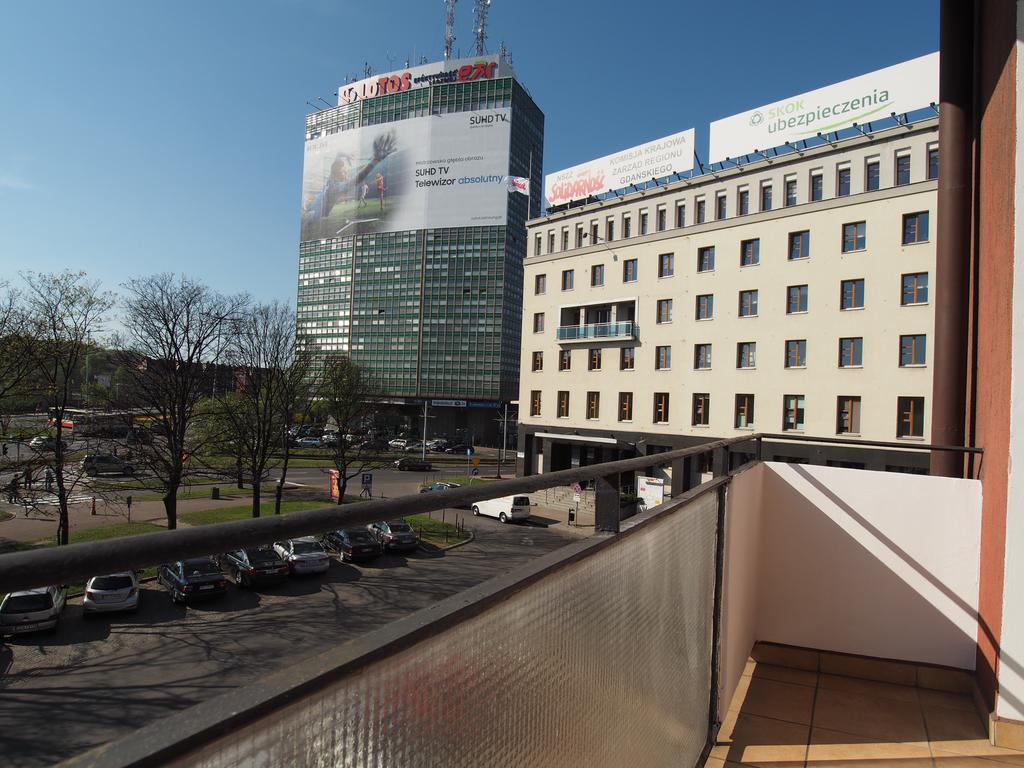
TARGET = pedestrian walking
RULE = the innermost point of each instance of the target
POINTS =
(12, 489)
(49, 480)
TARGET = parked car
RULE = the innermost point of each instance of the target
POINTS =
(105, 464)
(398, 443)
(138, 436)
(394, 535)
(113, 592)
(254, 565)
(460, 448)
(32, 610)
(373, 445)
(305, 555)
(504, 508)
(353, 544)
(440, 486)
(416, 447)
(410, 463)
(46, 443)
(437, 445)
(186, 580)
(329, 438)
(309, 442)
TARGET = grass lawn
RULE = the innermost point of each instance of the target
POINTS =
(244, 512)
(435, 532)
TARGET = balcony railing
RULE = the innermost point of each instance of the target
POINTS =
(626, 329)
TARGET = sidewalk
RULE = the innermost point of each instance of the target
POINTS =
(553, 517)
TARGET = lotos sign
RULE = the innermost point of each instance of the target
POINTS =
(460, 71)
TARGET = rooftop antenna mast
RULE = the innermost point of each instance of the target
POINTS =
(449, 28)
(480, 9)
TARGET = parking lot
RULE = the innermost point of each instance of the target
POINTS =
(98, 678)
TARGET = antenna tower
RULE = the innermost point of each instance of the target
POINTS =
(449, 28)
(480, 8)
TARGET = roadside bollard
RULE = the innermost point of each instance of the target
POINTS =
(215, 492)
(94, 505)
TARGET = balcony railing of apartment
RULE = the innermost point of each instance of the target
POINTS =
(609, 651)
(626, 329)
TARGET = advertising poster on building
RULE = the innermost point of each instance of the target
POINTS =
(900, 88)
(653, 160)
(651, 491)
(435, 171)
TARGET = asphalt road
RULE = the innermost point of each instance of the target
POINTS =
(97, 678)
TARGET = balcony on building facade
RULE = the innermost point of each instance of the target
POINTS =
(626, 329)
(601, 320)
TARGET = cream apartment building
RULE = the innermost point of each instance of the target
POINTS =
(789, 295)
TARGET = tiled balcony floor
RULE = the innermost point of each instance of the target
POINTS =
(781, 717)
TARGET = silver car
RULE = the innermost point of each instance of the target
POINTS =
(305, 555)
(114, 592)
(32, 610)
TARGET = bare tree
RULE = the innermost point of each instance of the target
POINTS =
(176, 331)
(346, 396)
(16, 345)
(65, 312)
(299, 382)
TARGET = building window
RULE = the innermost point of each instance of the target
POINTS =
(568, 278)
(912, 349)
(872, 176)
(536, 245)
(817, 186)
(799, 244)
(766, 197)
(851, 352)
(796, 353)
(746, 354)
(593, 405)
(680, 215)
(748, 304)
(565, 360)
(720, 207)
(627, 358)
(792, 413)
(790, 190)
(854, 236)
(563, 404)
(842, 182)
(744, 417)
(796, 299)
(660, 216)
(597, 275)
(702, 357)
(538, 322)
(662, 358)
(565, 239)
(706, 259)
(579, 235)
(664, 311)
(700, 211)
(743, 202)
(915, 228)
(535, 402)
(538, 361)
(629, 271)
(627, 227)
(750, 252)
(706, 306)
(848, 415)
(594, 360)
(902, 170)
(666, 265)
(540, 285)
(625, 406)
(851, 294)
(701, 409)
(915, 289)
(661, 407)
(594, 236)
(609, 230)
(643, 222)
(910, 417)
(933, 162)
(551, 242)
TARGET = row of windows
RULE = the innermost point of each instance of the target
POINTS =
(854, 238)
(909, 411)
(912, 353)
(815, 193)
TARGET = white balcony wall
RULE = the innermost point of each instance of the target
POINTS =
(872, 563)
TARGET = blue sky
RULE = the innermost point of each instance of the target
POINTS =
(137, 137)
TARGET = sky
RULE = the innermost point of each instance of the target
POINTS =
(141, 137)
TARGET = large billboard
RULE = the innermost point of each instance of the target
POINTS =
(435, 171)
(662, 157)
(900, 88)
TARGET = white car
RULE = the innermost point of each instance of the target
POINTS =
(113, 592)
(504, 508)
(305, 555)
(309, 442)
(399, 443)
(32, 610)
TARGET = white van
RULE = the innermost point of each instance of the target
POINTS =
(504, 508)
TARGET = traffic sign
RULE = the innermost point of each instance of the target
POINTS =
(576, 497)
(476, 461)
(576, 488)
(367, 479)
(475, 471)
(470, 451)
